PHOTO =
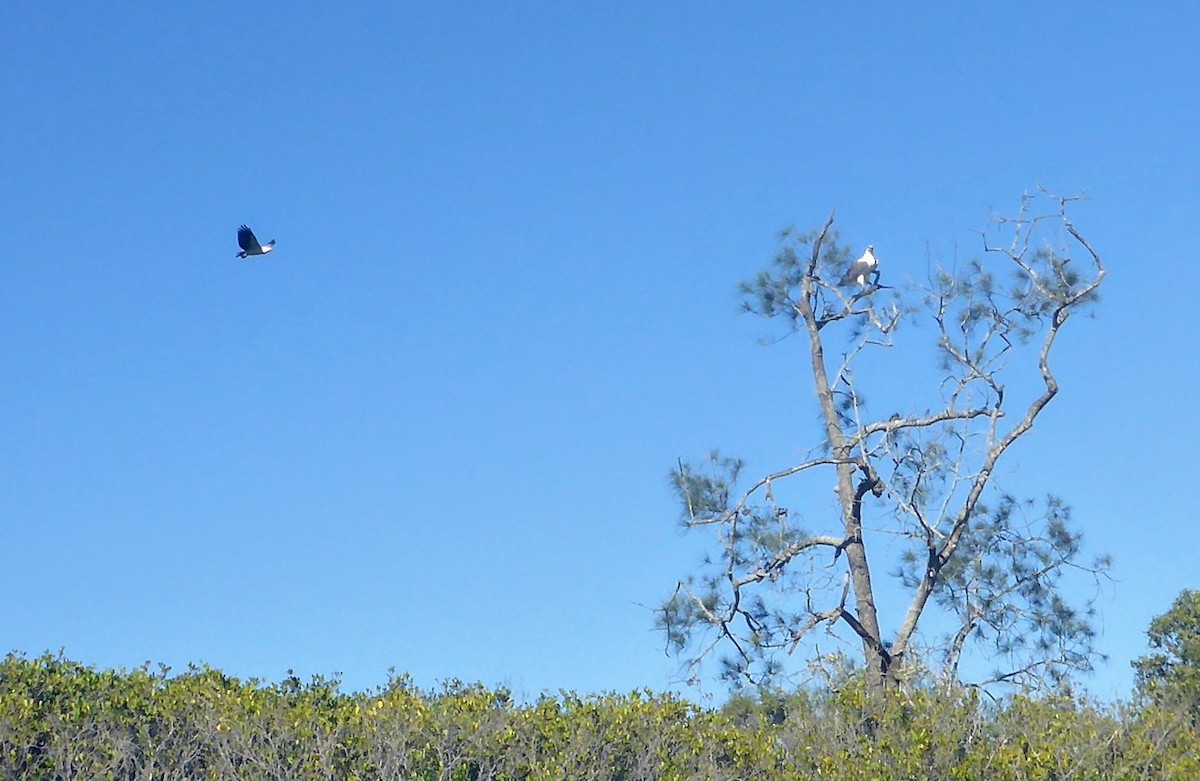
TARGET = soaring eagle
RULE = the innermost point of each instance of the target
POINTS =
(250, 245)
(863, 269)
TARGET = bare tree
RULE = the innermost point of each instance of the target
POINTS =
(917, 489)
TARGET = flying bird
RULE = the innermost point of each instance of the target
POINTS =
(250, 245)
(866, 267)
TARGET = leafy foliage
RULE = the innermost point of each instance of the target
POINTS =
(1171, 675)
(62, 720)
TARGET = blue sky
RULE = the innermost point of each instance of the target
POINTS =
(432, 431)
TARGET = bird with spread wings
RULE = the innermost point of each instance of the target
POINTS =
(250, 245)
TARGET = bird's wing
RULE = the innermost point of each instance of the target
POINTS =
(246, 240)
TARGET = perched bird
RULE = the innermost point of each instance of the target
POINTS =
(863, 269)
(250, 245)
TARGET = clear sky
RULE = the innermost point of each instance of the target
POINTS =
(432, 430)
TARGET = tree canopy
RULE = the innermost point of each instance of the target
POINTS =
(913, 478)
(1170, 675)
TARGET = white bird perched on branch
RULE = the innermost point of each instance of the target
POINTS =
(863, 269)
(250, 245)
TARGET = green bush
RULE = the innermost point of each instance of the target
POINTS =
(63, 720)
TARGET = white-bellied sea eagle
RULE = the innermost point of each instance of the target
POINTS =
(250, 245)
(863, 269)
